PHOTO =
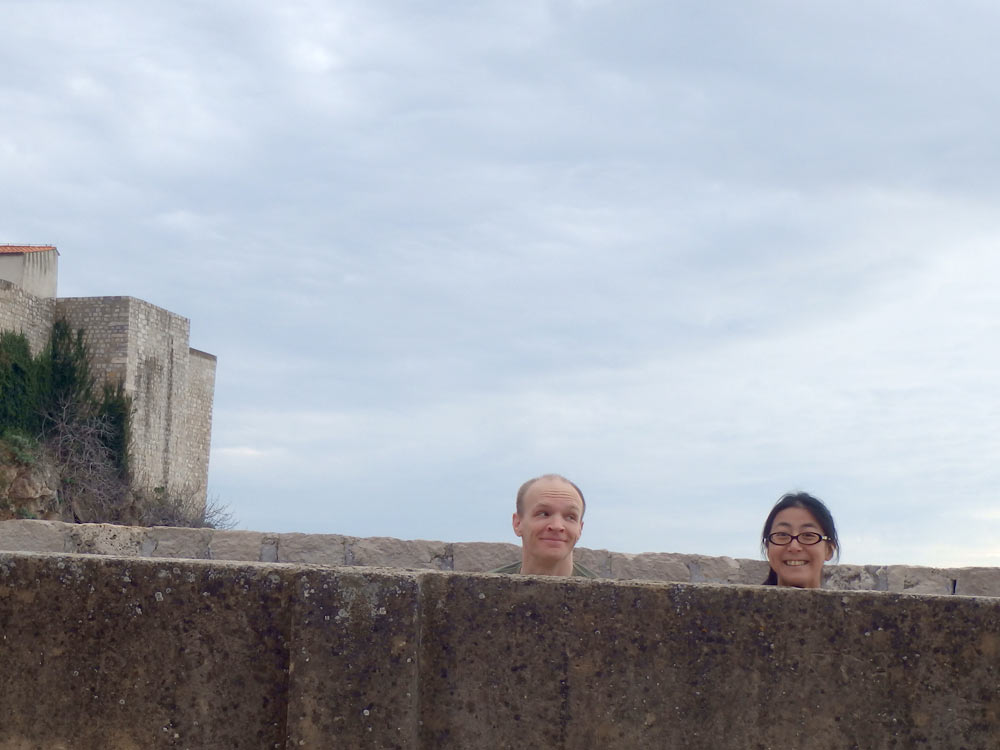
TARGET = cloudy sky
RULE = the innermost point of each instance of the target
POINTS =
(692, 255)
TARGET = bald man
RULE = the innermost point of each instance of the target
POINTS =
(549, 520)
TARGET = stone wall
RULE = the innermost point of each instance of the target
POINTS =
(135, 343)
(195, 448)
(158, 371)
(105, 324)
(123, 653)
(335, 549)
(25, 313)
(146, 348)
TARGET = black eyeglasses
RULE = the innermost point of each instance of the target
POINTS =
(807, 538)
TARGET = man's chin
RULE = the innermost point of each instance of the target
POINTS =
(553, 553)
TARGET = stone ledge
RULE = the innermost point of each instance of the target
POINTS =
(117, 653)
(334, 549)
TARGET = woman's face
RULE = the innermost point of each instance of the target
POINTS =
(797, 564)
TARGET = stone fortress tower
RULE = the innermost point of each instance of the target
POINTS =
(144, 346)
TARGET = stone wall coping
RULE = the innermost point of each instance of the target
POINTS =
(117, 652)
(421, 554)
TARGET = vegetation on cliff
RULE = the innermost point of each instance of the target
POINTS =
(58, 428)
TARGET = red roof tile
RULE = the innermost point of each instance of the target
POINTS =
(14, 249)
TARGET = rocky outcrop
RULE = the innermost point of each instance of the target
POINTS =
(30, 490)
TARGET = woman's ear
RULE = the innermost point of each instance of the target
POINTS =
(829, 551)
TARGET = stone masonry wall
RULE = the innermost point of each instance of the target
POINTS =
(198, 405)
(146, 348)
(111, 653)
(338, 550)
(158, 371)
(25, 313)
(105, 324)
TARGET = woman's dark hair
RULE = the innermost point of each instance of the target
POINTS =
(807, 502)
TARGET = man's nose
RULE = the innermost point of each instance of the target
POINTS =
(556, 522)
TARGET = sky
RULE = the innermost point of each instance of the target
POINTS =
(690, 255)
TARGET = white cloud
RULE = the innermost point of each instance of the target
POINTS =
(692, 259)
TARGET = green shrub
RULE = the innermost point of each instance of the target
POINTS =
(22, 447)
(20, 386)
(49, 404)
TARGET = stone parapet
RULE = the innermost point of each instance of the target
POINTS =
(119, 653)
(25, 313)
(334, 549)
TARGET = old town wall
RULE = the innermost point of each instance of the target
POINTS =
(339, 550)
(25, 313)
(146, 348)
(142, 346)
(127, 653)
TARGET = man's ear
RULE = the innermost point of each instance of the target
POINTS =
(516, 523)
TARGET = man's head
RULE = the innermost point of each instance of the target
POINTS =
(523, 490)
(549, 520)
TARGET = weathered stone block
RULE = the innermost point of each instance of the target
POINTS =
(713, 569)
(236, 545)
(110, 653)
(103, 653)
(399, 553)
(355, 675)
(33, 536)
(908, 579)
(597, 560)
(650, 566)
(479, 557)
(856, 577)
(570, 663)
(106, 539)
(170, 541)
(319, 549)
(752, 572)
(977, 581)
(269, 548)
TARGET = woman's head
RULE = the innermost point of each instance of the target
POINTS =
(799, 536)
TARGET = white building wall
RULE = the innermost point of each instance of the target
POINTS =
(36, 272)
(41, 272)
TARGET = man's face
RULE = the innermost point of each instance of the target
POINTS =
(552, 520)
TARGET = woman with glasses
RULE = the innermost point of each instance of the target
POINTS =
(799, 536)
